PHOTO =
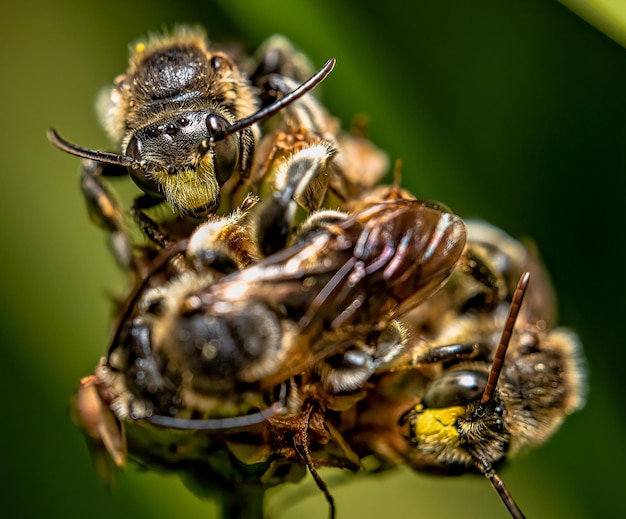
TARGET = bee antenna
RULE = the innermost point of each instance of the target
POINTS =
(217, 424)
(498, 359)
(278, 105)
(500, 488)
(86, 153)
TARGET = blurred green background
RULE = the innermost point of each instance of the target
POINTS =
(513, 111)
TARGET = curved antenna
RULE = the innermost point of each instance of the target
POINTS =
(397, 174)
(216, 424)
(278, 105)
(498, 359)
(86, 153)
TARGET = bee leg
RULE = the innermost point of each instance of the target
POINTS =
(277, 55)
(494, 287)
(350, 369)
(104, 210)
(281, 69)
(453, 352)
(301, 444)
(147, 225)
(276, 217)
(307, 113)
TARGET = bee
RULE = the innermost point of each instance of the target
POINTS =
(486, 387)
(185, 118)
(295, 334)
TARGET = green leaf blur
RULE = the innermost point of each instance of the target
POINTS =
(511, 111)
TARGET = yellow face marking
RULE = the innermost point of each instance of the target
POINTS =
(437, 425)
(190, 188)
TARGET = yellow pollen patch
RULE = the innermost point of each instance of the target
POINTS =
(438, 425)
(190, 188)
(140, 47)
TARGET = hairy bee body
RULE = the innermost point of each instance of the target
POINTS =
(172, 73)
(436, 391)
(345, 276)
(543, 377)
(207, 346)
(175, 93)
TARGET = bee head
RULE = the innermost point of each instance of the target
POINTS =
(461, 422)
(450, 426)
(179, 159)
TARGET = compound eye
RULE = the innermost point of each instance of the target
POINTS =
(226, 151)
(455, 388)
(221, 64)
(218, 62)
(346, 371)
(134, 150)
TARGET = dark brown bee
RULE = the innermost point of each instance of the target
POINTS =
(296, 334)
(479, 402)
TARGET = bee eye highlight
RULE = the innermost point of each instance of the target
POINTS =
(215, 124)
(455, 388)
(141, 176)
(218, 63)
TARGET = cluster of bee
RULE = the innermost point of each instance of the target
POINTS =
(289, 312)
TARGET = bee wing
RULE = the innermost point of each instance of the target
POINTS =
(408, 249)
(347, 278)
(382, 262)
(367, 268)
